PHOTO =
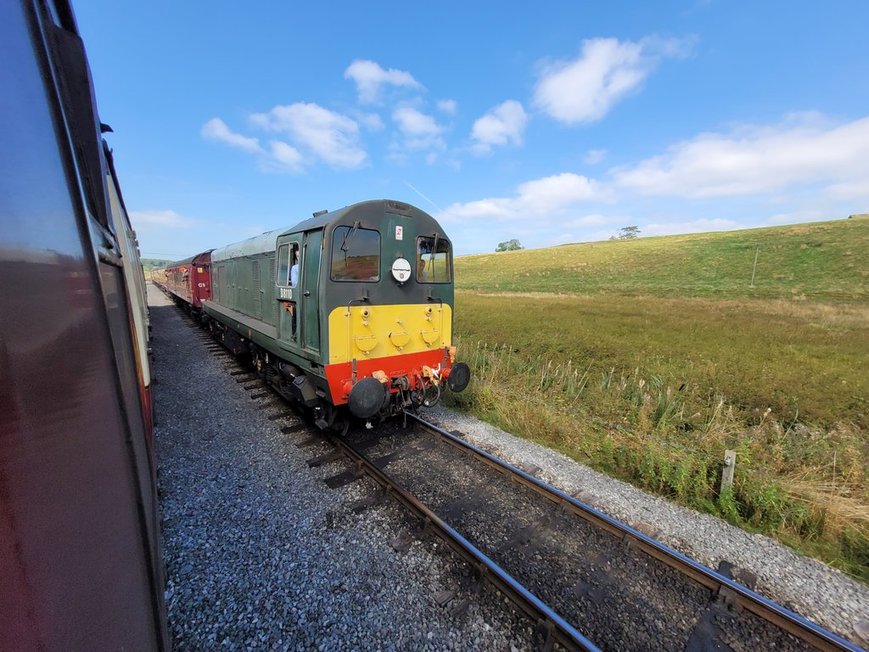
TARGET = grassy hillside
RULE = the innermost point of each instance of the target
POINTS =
(823, 261)
(647, 359)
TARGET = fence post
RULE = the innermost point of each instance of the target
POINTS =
(754, 268)
(727, 471)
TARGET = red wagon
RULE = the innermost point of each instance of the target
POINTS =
(190, 279)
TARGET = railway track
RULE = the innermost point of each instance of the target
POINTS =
(729, 616)
(586, 580)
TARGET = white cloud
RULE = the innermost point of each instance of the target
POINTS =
(415, 123)
(585, 89)
(370, 77)
(691, 226)
(278, 156)
(503, 124)
(156, 220)
(447, 106)
(850, 191)
(755, 160)
(371, 121)
(419, 130)
(332, 137)
(216, 129)
(543, 199)
(595, 219)
(557, 192)
(594, 156)
(286, 156)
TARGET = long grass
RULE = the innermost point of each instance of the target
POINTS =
(805, 363)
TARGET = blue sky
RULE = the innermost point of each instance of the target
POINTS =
(560, 122)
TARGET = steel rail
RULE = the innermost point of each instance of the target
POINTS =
(555, 627)
(764, 608)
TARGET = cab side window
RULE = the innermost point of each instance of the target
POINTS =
(283, 275)
(288, 265)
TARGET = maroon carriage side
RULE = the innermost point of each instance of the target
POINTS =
(80, 564)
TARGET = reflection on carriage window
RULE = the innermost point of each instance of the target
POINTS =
(433, 260)
(355, 254)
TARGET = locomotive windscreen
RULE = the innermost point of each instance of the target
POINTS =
(355, 254)
(433, 259)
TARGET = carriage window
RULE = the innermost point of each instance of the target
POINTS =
(355, 254)
(433, 261)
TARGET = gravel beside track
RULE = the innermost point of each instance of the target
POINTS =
(261, 554)
(803, 585)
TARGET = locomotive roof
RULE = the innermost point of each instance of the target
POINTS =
(265, 242)
(256, 245)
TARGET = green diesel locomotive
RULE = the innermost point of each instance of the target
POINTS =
(349, 308)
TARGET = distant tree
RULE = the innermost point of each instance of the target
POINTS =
(509, 245)
(627, 233)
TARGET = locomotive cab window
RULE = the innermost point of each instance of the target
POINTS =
(288, 265)
(355, 254)
(433, 260)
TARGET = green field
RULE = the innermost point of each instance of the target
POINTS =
(648, 358)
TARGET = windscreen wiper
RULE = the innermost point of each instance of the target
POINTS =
(345, 243)
(434, 250)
